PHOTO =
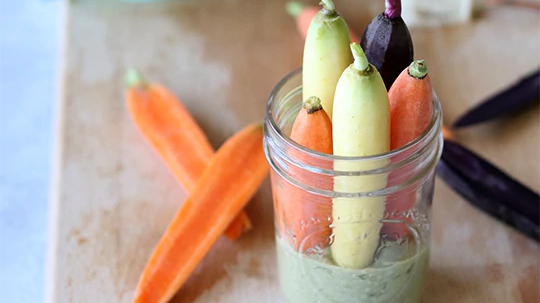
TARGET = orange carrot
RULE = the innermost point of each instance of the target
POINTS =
(238, 226)
(447, 133)
(303, 15)
(303, 211)
(229, 181)
(174, 135)
(411, 105)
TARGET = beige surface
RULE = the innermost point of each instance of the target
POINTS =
(114, 197)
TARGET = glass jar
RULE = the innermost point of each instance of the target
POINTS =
(383, 227)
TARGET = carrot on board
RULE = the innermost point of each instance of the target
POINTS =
(303, 14)
(312, 129)
(411, 106)
(231, 178)
(174, 135)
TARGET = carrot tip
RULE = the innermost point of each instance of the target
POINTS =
(133, 78)
(294, 8)
(418, 69)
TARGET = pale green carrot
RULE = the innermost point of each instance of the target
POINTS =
(361, 127)
(326, 55)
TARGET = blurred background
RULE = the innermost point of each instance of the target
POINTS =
(30, 34)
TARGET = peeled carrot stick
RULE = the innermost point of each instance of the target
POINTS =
(303, 14)
(312, 129)
(411, 106)
(238, 226)
(229, 181)
(174, 135)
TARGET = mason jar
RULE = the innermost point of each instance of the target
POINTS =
(384, 227)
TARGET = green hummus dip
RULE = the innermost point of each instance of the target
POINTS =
(396, 276)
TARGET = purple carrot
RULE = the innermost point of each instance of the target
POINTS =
(489, 188)
(515, 98)
(387, 43)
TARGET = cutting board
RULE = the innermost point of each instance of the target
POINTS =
(113, 198)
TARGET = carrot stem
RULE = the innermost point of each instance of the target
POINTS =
(328, 6)
(312, 104)
(134, 79)
(361, 63)
(418, 69)
(393, 9)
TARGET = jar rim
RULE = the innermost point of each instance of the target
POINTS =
(434, 126)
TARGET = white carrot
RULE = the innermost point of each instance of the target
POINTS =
(361, 127)
(326, 55)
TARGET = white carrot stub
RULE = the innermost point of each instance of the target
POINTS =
(326, 55)
(361, 127)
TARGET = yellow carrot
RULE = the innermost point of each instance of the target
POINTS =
(326, 55)
(361, 127)
(304, 14)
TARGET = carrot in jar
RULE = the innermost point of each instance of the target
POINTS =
(308, 215)
(411, 106)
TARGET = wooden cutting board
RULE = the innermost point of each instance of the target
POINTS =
(113, 198)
